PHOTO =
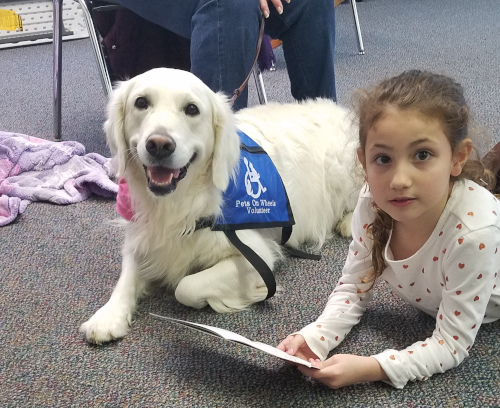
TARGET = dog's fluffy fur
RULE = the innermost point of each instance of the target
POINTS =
(312, 144)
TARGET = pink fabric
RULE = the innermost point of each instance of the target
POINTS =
(123, 206)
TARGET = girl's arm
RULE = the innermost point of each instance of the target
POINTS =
(347, 303)
(342, 370)
(470, 273)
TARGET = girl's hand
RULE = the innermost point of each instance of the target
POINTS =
(264, 6)
(297, 346)
(341, 370)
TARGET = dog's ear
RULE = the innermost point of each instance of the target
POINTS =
(226, 144)
(114, 126)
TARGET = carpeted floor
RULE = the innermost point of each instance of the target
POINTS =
(59, 264)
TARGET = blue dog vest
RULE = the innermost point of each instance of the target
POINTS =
(255, 199)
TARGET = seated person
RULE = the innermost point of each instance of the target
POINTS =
(224, 35)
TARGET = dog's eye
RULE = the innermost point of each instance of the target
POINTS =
(191, 110)
(141, 103)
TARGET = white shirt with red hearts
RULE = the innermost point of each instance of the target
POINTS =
(454, 277)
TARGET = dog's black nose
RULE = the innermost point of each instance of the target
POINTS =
(160, 146)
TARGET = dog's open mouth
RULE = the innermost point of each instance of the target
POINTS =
(163, 180)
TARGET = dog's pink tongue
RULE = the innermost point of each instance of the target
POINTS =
(162, 175)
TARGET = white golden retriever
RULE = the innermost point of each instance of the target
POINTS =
(175, 142)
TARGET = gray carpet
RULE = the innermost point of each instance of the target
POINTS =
(59, 264)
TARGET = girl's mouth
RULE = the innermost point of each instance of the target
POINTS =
(401, 202)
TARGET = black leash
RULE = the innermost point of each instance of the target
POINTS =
(237, 92)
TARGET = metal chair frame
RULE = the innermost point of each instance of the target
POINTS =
(361, 46)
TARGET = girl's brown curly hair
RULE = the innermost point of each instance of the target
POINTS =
(435, 96)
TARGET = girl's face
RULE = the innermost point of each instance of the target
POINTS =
(408, 163)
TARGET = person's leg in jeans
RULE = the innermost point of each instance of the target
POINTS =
(223, 36)
(307, 29)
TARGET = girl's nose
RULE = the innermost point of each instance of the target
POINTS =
(401, 178)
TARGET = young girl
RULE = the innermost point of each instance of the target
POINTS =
(425, 223)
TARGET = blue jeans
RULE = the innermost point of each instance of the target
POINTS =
(224, 35)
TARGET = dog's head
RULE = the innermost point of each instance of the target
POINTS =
(168, 123)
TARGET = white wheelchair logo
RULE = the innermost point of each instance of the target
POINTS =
(252, 176)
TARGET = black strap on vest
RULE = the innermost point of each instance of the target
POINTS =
(286, 232)
(297, 253)
(256, 261)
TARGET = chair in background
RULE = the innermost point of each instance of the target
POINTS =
(89, 7)
(96, 45)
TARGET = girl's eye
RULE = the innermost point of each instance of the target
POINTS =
(382, 159)
(423, 155)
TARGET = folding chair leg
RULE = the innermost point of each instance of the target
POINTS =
(259, 83)
(358, 29)
(57, 76)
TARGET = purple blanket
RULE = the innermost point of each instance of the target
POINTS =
(33, 169)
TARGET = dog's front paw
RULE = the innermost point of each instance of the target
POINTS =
(109, 323)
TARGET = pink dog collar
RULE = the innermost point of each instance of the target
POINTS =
(123, 205)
